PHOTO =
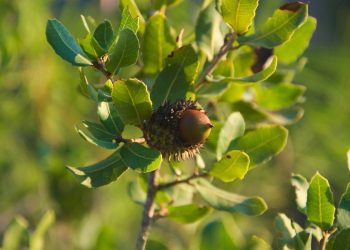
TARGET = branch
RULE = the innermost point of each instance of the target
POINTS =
(187, 180)
(148, 211)
(225, 48)
(99, 64)
(326, 235)
(119, 139)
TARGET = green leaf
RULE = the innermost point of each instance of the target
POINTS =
(348, 155)
(233, 165)
(319, 207)
(158, 43)
(173, 82)
(257, 243)
(140, 158)
(125, 52)
(110, 118)
(343, 211)
(159, 3)
(280, 27)
(341, 241)
(207, 30)
(262, 144)
(303, 241)
(136, 192)
(232, 129)
(278, 96)
(64, 44)
(269, 69)
(37, 237)
(300, 185)
(215, 236)
(295, 47)
(283, 225)
(128, 21)
(238, 14)
(101, 173)
(104, 35)
(87, 46)
(132, 101)
(85, 87)
(134, 10)
(187, 213)
(223, 200)
(16, 234)
(99, 136)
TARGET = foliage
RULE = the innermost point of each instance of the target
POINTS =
(326, 224)
(175, 71)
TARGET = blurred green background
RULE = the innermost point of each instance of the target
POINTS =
(40, 106)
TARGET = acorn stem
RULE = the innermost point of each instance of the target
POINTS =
(124, 140)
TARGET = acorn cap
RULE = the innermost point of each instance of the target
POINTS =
(177, 130)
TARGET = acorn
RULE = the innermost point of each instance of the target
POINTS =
(178, 130)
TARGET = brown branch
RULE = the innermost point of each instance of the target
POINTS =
(148, 211)
(225, 48)
(186, 180)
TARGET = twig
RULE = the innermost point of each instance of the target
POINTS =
(225, 48)
(100, 65)
(326, 235)
(148, 211)
(187, 180)
(119, 139)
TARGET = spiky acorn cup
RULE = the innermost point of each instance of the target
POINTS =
(178, 130)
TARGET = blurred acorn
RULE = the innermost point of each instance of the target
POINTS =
(178, 130)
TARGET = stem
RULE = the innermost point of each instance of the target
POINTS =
(187, 180)
(100, 65)
(137, 140)
(148, 211)
(326, 235)
(225, 48)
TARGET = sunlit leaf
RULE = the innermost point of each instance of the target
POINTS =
(134, 11)
(280, 27)
(64, 44)
(128, 21)
(319, 207)
(101, 173)
(262, 144)
(238, 14)
(158, 43)
(141, 158)
(230, 202)
(278, 96)
(300, 185)
(232, 129)
(132, 101)
(234, 164)
(187, 213)
(295, 47)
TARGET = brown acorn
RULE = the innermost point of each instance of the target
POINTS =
(178, 130)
